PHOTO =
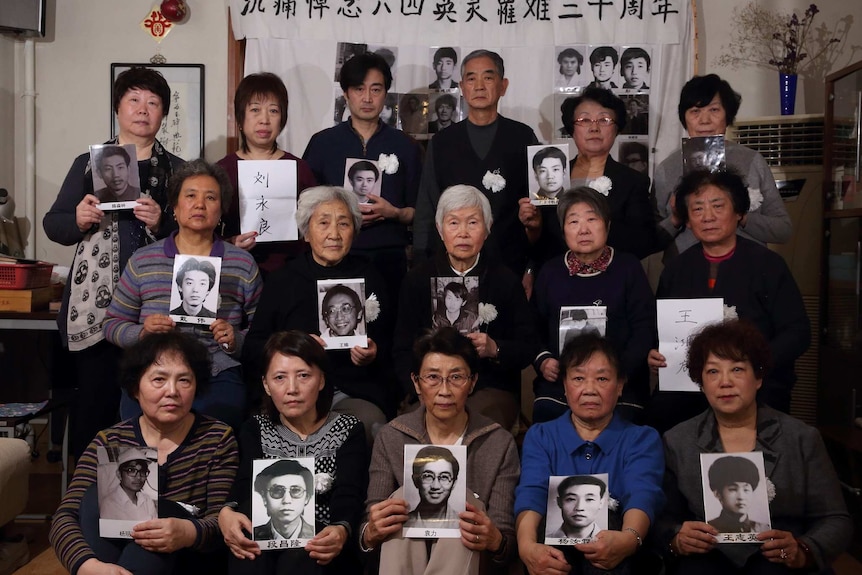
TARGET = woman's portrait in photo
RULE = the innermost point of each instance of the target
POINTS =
(389, 113)
(567, 69)
(127, 479)
(581, 501)
(284, 506)
(444, 61)
(457, 303)
(363, 177)
(196, 295)
(735, 497)
(413, 112)
(114, 170)
(438, 496)
(342, 312)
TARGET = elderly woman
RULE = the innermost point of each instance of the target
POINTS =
(260, 110)
(752, 280)
(505, 343)
(590, 274)
(329, 218)
(197, 463)
(593, 119)
(106, 241)
(588, 439)
(707, 106)
(296, 421)
(444, 374)
(199, 194)
(810, 524)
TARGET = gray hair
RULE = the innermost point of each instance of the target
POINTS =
(311, 198)
(463, 196)
(496, 58)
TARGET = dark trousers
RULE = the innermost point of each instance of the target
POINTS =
(98, 398)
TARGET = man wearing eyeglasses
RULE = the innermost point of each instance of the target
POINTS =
(435, 471)
(129, 502)
(341, 311)
(286, 488)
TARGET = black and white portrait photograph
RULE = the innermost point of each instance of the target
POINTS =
(282, 510)
(127, 485)
(703, 153)
(445, 111)
(456, 303)
(569, 68)
(341, 304)
(635, 67)
(413, 114)
(634, 154)
(388, 53)
(577, 508)
(116, 182)
(194, 295)
(435, 490)
(603, 67)
(581, 320)
(637, 114)
(363, 177)
(735, 497)
(560, 134)
(389, 113)
(340, 110)
(445, 66)
(547, 173)
(344, 51)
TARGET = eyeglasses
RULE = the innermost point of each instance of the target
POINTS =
(343, 309)
(445, 478)
(434, 380)
(135, 471)
(603, 122)
(278, 491)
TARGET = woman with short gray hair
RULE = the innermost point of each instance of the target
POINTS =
(505, 342)
(328, 218)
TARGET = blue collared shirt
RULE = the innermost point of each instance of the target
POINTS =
(631, 455)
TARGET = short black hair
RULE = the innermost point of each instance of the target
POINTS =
(259, 85)
(549, 152)
(445, 99)
(632, 53)
(363, 166)
(602, 97)
(354, 71)
(138, 358)
(580, 480)
(581, 348)
(570, 53)
(445, 52)
(200, 167)
(699, 92)
(602, 52)
(340, 289)
(445, 341)
(141, 78)
(110, 151)
(628, 148)
(299, 344)
(192, 265)
(280, 468)
(731, 469)
(429, 454)
(726, 180)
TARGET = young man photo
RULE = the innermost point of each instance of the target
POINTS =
(581, 499)
(635, 68)
(444, 62)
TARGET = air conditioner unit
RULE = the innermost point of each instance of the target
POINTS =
(793, 148)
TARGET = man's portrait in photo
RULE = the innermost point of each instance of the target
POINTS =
(446, 112)
(603, 62)
(363, 177)
(635, 155)
(115, 173)
(549, 166)
(413, 113)
(582, 320)
(735, 498)
(635, 64)
(568, 68)
(284, 506)
(445, 63)
(342, 312)
(433, 472)
(127, 479)
(582, 504)
(637, 114)
(196, 295)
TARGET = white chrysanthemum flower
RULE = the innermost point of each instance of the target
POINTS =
(487, 313)
(770, 490)
(493, 181)
(755, 198)
(323, 482)
(613, 504)
(388, 163)
(730, 312)
(372, 308)
(602, 185)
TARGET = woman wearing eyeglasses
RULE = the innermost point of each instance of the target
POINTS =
(594, 119)
(296, 421)
(444, 373)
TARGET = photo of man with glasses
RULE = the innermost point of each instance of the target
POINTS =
(286, 488)
(128, 501)
(434, 474)
(342, 313)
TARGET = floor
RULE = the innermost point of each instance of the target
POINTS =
(45, 497)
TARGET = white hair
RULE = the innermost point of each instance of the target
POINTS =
(311, 198)
(463, 196)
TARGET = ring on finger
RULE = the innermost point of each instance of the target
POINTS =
(783, 555)
(477, 538)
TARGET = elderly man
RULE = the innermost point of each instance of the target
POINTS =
(486, 151)
(365, 80)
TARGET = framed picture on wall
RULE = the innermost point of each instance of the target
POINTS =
(182, 131)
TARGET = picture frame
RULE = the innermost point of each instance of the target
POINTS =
(182, 131)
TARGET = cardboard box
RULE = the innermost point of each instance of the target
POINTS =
(25, 300)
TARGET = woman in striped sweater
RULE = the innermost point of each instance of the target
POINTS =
(197, 459)
(199, 195)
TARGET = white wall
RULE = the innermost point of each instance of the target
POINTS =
(73, 84)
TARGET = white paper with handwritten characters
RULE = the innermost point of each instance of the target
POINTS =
(677, 320)
(267, 199)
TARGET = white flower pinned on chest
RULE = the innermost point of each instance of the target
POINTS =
(372, 308)
(388, 163)
(602, 185)
(487, 313)
(493, 181)
(755, 198)
(730, 312)
(323, 482)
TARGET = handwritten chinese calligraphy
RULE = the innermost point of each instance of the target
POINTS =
(267, 199)
(677, 320)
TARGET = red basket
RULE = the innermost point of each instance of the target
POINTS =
(25, 276)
